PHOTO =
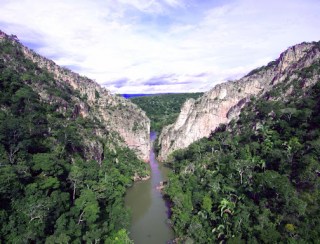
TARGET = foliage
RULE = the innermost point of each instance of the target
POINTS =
(255, 180)
(49, 190)
(163, 109)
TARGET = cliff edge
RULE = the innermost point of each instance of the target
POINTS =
(198, 118)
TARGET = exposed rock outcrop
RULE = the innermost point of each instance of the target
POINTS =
(224, 102)
(137, 177)
(115, 113)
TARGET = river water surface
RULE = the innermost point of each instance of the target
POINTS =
(148, 209)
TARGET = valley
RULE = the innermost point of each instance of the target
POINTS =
(81, 165)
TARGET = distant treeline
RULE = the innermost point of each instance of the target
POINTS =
(163, 109)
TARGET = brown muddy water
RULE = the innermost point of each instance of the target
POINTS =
(149, 211)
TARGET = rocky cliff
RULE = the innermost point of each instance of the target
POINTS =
(116, 114)
(198, 118)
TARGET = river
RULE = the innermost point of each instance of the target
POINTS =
(149, 211)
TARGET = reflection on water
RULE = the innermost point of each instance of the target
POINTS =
(149, 210)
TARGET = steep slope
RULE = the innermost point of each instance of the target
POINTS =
(64, 169)
(198, 118)
(90, 99)
(256, 179)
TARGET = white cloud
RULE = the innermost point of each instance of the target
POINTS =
(141, 39)
(149, 6)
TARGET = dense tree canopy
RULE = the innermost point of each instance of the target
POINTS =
(49, 190)
(256, 180)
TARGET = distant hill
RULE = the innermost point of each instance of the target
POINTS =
(162, 109)
(129, 96)
(135, 95)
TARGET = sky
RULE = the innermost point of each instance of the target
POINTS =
(159, 46)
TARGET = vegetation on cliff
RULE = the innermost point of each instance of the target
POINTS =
(163, 109)
(255, 180)
(56, 185)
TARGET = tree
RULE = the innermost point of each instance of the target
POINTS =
(76, 177)
(88, 207)
(207, 203)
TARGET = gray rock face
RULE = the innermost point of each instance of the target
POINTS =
(224, 101)
(115, 113)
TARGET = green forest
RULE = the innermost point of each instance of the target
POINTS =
(163, 109)
(257, 179)
(254, 180)
(50, 192)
